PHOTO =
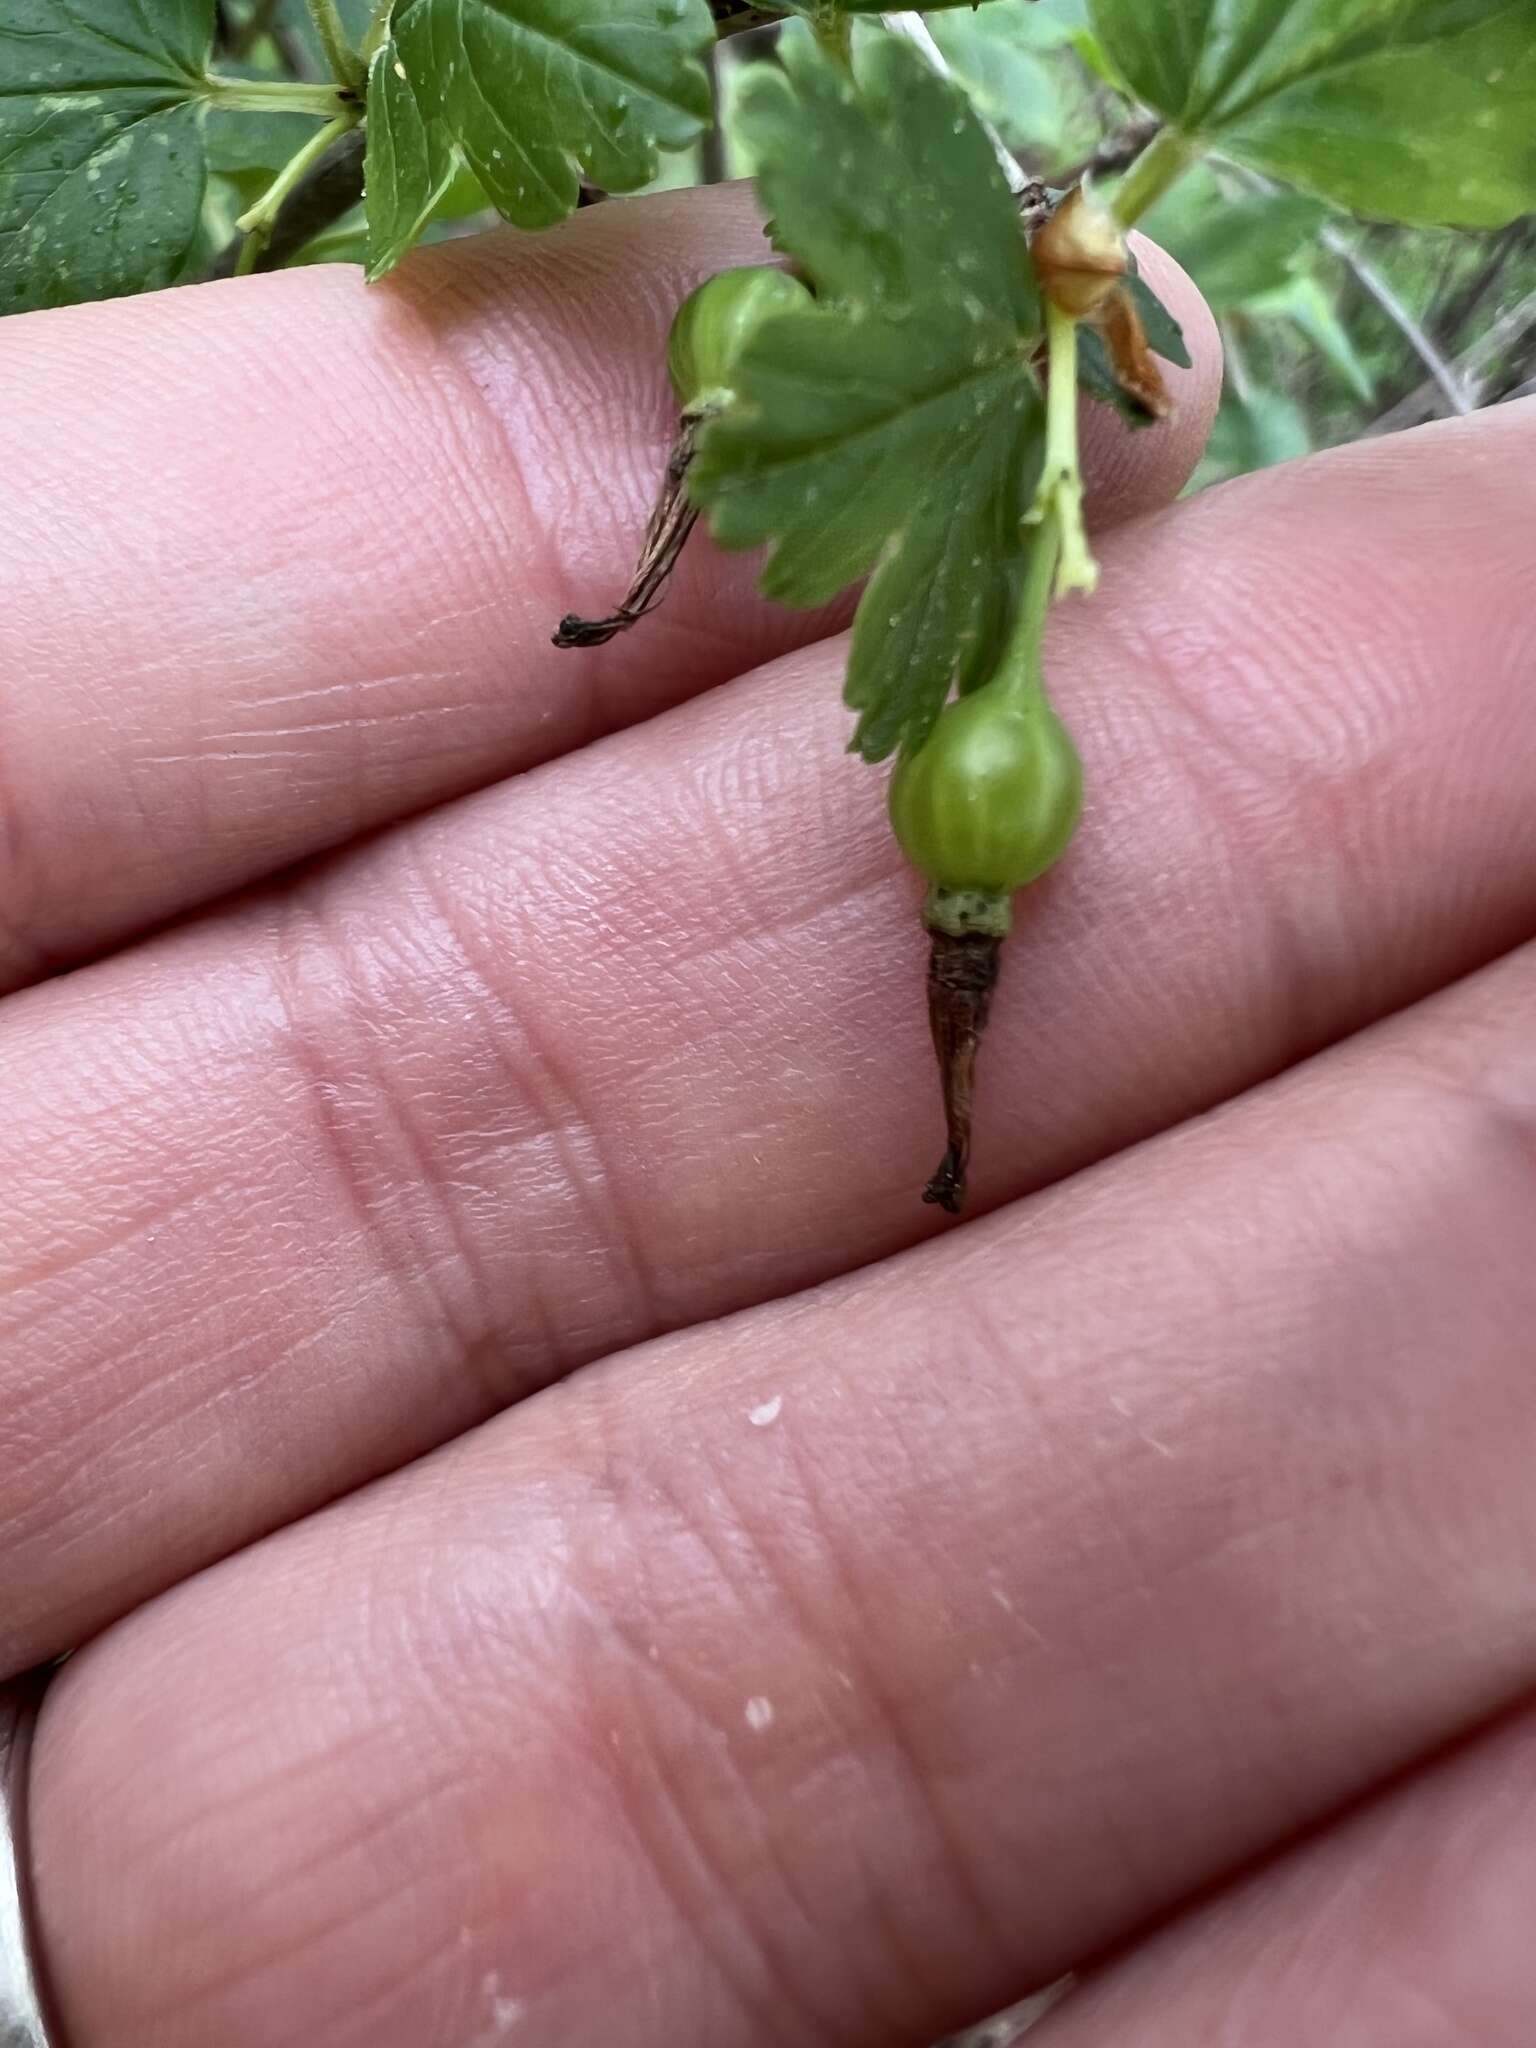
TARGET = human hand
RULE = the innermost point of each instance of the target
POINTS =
(839, 1670)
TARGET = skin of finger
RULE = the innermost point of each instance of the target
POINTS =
(1405, 1926)
(284, 555)
(834, 1672)
(306, 1188)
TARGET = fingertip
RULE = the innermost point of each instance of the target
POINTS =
(1131, 470)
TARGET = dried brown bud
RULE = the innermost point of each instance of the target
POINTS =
(1080, 255)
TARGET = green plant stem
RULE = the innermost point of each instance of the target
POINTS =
(377, 29)
(833, 30)
(257, 222)
(1166, 157)
(346, 65)
(275, 96)
(1021, 671)
(1060, 496)
(328, 190)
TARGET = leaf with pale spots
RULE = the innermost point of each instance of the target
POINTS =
(533, 95)
(895, 426)
(101, 154)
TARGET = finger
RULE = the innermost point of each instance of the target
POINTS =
(838, 1671)
(283, 557)
(299, 1192)
(1405, 1926)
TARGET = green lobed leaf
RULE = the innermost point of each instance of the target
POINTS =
(531, 94)
(1421, 111)
(896, 425)
(101, 155)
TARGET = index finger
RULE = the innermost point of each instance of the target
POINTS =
(283, 555)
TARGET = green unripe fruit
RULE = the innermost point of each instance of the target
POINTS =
(991, 798)
(714, 323)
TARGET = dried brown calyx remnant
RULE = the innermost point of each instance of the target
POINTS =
(672, 520)
(962, 974)
(1136, 369)
(1080, 255)
(1083, 262)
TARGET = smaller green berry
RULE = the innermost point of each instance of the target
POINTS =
(714, 323)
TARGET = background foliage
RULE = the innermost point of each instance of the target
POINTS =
(1334, 328)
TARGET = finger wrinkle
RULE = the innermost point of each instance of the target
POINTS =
(442, 955)
(593, 1173)
(693, 1881)
(697, 1848)
(774, 1551)
(889, 1726)
(593, 1709)
(477, 428)
(571, 481)
(359, 1113)
(23, 957)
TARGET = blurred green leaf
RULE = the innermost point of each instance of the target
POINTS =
(1039, 26)
(462, 198)
(1096, 58)
(1016, 59)
(1059, 21)
(1412, 110)
(1255, 429)
(294, 16)
(347, 242)
(256, 142)
(1308, 307)
(1011, 84)
(810, 8)
(1235, 247)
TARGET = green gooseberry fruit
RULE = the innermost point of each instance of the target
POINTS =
(714, 323)
(991, 798)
